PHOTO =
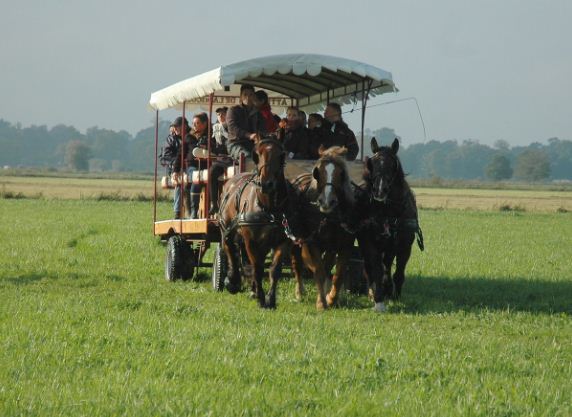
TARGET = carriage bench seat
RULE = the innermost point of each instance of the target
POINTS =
(201, 176)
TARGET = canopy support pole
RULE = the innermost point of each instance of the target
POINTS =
(364, 97)
(155, 175)
(209, 176)
(182, 171)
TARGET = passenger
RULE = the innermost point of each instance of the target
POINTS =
(339, 132)
(199, 140)
(171, 158)
(268, 118)
(318, 134)
(303, 118)
(220, 129)
(243, 123)
(294, 136)
(218, 166)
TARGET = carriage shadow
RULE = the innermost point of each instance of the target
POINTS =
(428, 295)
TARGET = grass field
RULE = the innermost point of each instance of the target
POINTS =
(541, 200)
(88, 326)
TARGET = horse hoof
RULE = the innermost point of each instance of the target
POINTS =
(252, 295)
(320, 306)
(232, 288)
(380, 308)
(270, 304)
(330, 300)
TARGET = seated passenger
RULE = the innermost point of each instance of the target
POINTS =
(294, 136)
(263, 106)
(339, 132)
(199, 139)
(318, 134)
(244, 124)
(171, 158)
(220, 129)
(303, 118)
(219, 165)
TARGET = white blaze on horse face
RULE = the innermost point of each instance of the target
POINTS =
(380, 190)
(329, 177)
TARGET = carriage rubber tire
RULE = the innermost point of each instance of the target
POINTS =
(179, 261)
(220, 268)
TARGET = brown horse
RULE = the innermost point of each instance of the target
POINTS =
(325, 201)
(251, 219)
(388, 223)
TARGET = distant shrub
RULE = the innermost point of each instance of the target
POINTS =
(508, 207)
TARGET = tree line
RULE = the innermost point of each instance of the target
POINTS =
(66, 148)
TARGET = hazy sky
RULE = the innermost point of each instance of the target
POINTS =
(482, 70)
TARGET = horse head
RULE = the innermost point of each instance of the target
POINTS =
(383, 169)
(332, 179)
(269, 157)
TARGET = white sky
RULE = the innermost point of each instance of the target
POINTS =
(483, 70)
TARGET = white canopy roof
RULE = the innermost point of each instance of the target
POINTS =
(309, 79)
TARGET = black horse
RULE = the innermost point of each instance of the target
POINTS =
(388, 222)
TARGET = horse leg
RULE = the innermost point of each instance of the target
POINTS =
(313, 260)
(275, 272)
(297, 264)
(338, 278)
(387, 283)
(374, 271)
(233, 273)
(403, 254)
(256, 258)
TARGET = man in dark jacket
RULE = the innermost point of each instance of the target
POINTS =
(171, 157)
(244, 124)
(339, 132)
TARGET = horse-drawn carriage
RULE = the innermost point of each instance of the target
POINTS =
(305, 81)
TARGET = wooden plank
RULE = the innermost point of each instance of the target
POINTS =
(184, 226)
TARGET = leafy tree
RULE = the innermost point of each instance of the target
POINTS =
(532, 165)
(77, 155)
(499, 168)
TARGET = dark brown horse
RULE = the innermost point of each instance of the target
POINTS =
(388, 223)
(325, 201)
(251, 220)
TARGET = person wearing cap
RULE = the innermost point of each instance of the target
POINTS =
(218, 166)
(170, 158)
(244, 124)
(338, 132)
(220, 129)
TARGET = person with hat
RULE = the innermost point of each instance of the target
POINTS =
(220, 129)
(170, 158)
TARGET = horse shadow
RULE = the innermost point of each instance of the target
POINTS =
(26, 279)
(442, 294)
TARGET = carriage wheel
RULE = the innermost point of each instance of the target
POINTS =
(220, 268)
(180, 260)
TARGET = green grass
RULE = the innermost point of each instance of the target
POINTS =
(88, 326)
